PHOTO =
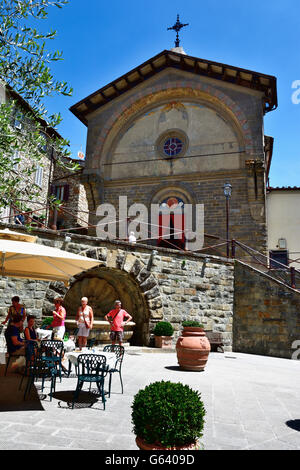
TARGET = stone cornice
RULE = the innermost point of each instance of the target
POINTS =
(193, 177)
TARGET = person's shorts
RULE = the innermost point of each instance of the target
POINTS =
(59, 332)
(83, 330)
(117, 336)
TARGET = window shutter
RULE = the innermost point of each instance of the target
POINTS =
(66, 192)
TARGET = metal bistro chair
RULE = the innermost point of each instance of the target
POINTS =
(38, 368)
(91, 368)
(31, 352)
(52, 352)
(119, 351)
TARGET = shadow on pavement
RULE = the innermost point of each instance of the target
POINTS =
(86, 399)
(294, 424)
(178, 369)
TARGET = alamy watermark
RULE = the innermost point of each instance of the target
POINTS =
(296, 94)
(177, 220)
(296, 345)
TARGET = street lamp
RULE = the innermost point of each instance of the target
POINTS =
(227, 193)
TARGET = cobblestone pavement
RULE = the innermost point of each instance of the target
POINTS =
(252, 402)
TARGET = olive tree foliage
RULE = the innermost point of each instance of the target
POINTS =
(25, 68)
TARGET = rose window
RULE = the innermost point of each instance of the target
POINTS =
(173, 146)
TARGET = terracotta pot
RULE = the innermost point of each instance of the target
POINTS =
(163, 342)
(145, 446)
(192, 349)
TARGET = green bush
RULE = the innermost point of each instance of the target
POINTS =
(46, 321)
(163, 328)
(167, 413)
(193, 323)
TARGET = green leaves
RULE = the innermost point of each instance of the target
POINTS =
(192, 323)
(25, 65)
(167, 413)
(22, 148)
(163, 328)
(24, 59)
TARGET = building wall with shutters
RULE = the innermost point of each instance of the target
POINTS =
(41, 173)
(283, 217)
(67, 187)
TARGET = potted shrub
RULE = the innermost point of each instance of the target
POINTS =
(192, 323)
(168, 416)
(192, 347)
(163, 334)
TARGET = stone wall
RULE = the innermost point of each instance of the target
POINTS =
(266, 314)
(255, 313)
(243, 225)
(75, 207)
(153, 285)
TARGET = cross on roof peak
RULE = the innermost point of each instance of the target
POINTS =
(177, 27)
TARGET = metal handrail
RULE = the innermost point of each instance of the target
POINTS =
(289, 276)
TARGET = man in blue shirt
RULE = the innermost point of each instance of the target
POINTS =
(15, 344)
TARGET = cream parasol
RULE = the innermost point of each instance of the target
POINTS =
(22, 257)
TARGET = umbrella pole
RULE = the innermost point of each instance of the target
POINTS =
(2, 262)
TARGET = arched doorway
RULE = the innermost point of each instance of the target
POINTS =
(171, 223)
(103, 286)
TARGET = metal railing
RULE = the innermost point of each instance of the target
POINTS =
(288, 275)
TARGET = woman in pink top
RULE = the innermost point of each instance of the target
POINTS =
(116, 319)
(59, 316)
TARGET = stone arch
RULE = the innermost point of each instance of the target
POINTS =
(199, 92)
(179, 190)
(120, 275)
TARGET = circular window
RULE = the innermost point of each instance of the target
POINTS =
(173, 146)
(172, 143)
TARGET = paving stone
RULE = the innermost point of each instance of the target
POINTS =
(273, 445)
(248, 402)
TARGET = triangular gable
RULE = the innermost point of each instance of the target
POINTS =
(206, 68)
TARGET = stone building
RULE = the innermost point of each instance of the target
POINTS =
(67, 187)
(49, 177)
(283, 218)
(178, 128)
(43, 172)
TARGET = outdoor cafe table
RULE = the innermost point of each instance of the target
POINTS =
(73, 357)
(43, 334)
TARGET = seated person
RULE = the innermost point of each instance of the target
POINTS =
(29, 332)
(15, 344)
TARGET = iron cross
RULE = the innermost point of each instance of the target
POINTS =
(177, 27)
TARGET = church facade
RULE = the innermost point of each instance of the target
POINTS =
(177, 128)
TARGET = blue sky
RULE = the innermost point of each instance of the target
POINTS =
(103, 40)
